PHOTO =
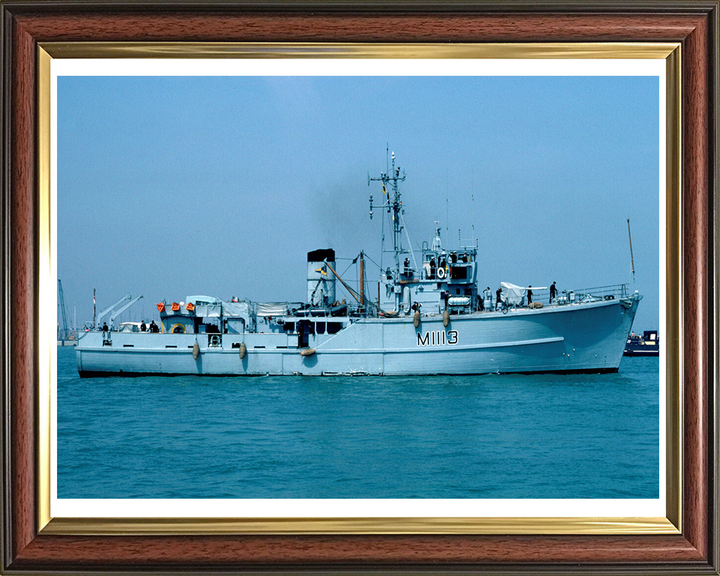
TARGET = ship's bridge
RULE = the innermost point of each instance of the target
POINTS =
(446, 280)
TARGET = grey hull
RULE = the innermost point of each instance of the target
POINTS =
(588, 337)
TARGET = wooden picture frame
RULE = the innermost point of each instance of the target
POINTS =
(29, 546)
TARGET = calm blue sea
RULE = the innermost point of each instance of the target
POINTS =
(548, 436)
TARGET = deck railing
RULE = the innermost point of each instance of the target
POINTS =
(612, 292)
(595, 294)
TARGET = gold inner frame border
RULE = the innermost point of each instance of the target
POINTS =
(671, 524)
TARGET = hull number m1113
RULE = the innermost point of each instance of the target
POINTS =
(437, 338)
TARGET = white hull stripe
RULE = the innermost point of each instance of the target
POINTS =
(319, 350)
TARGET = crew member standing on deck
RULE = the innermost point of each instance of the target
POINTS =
(498, 298)
(432, 267)
(553, 292)
(529, 295)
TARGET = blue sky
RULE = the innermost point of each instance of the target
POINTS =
(172, 186)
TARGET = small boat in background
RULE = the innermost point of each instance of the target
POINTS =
(646, 345)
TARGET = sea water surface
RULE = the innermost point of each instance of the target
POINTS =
(497, 436)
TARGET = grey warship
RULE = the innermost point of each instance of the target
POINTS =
(429, 318)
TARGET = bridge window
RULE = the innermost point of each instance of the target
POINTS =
(459, 272)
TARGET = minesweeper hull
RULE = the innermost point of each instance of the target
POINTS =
(588, 337)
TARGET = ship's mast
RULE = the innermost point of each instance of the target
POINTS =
(393, 204)
(632, 260)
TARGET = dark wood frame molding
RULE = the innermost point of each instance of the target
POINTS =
(26, 23)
